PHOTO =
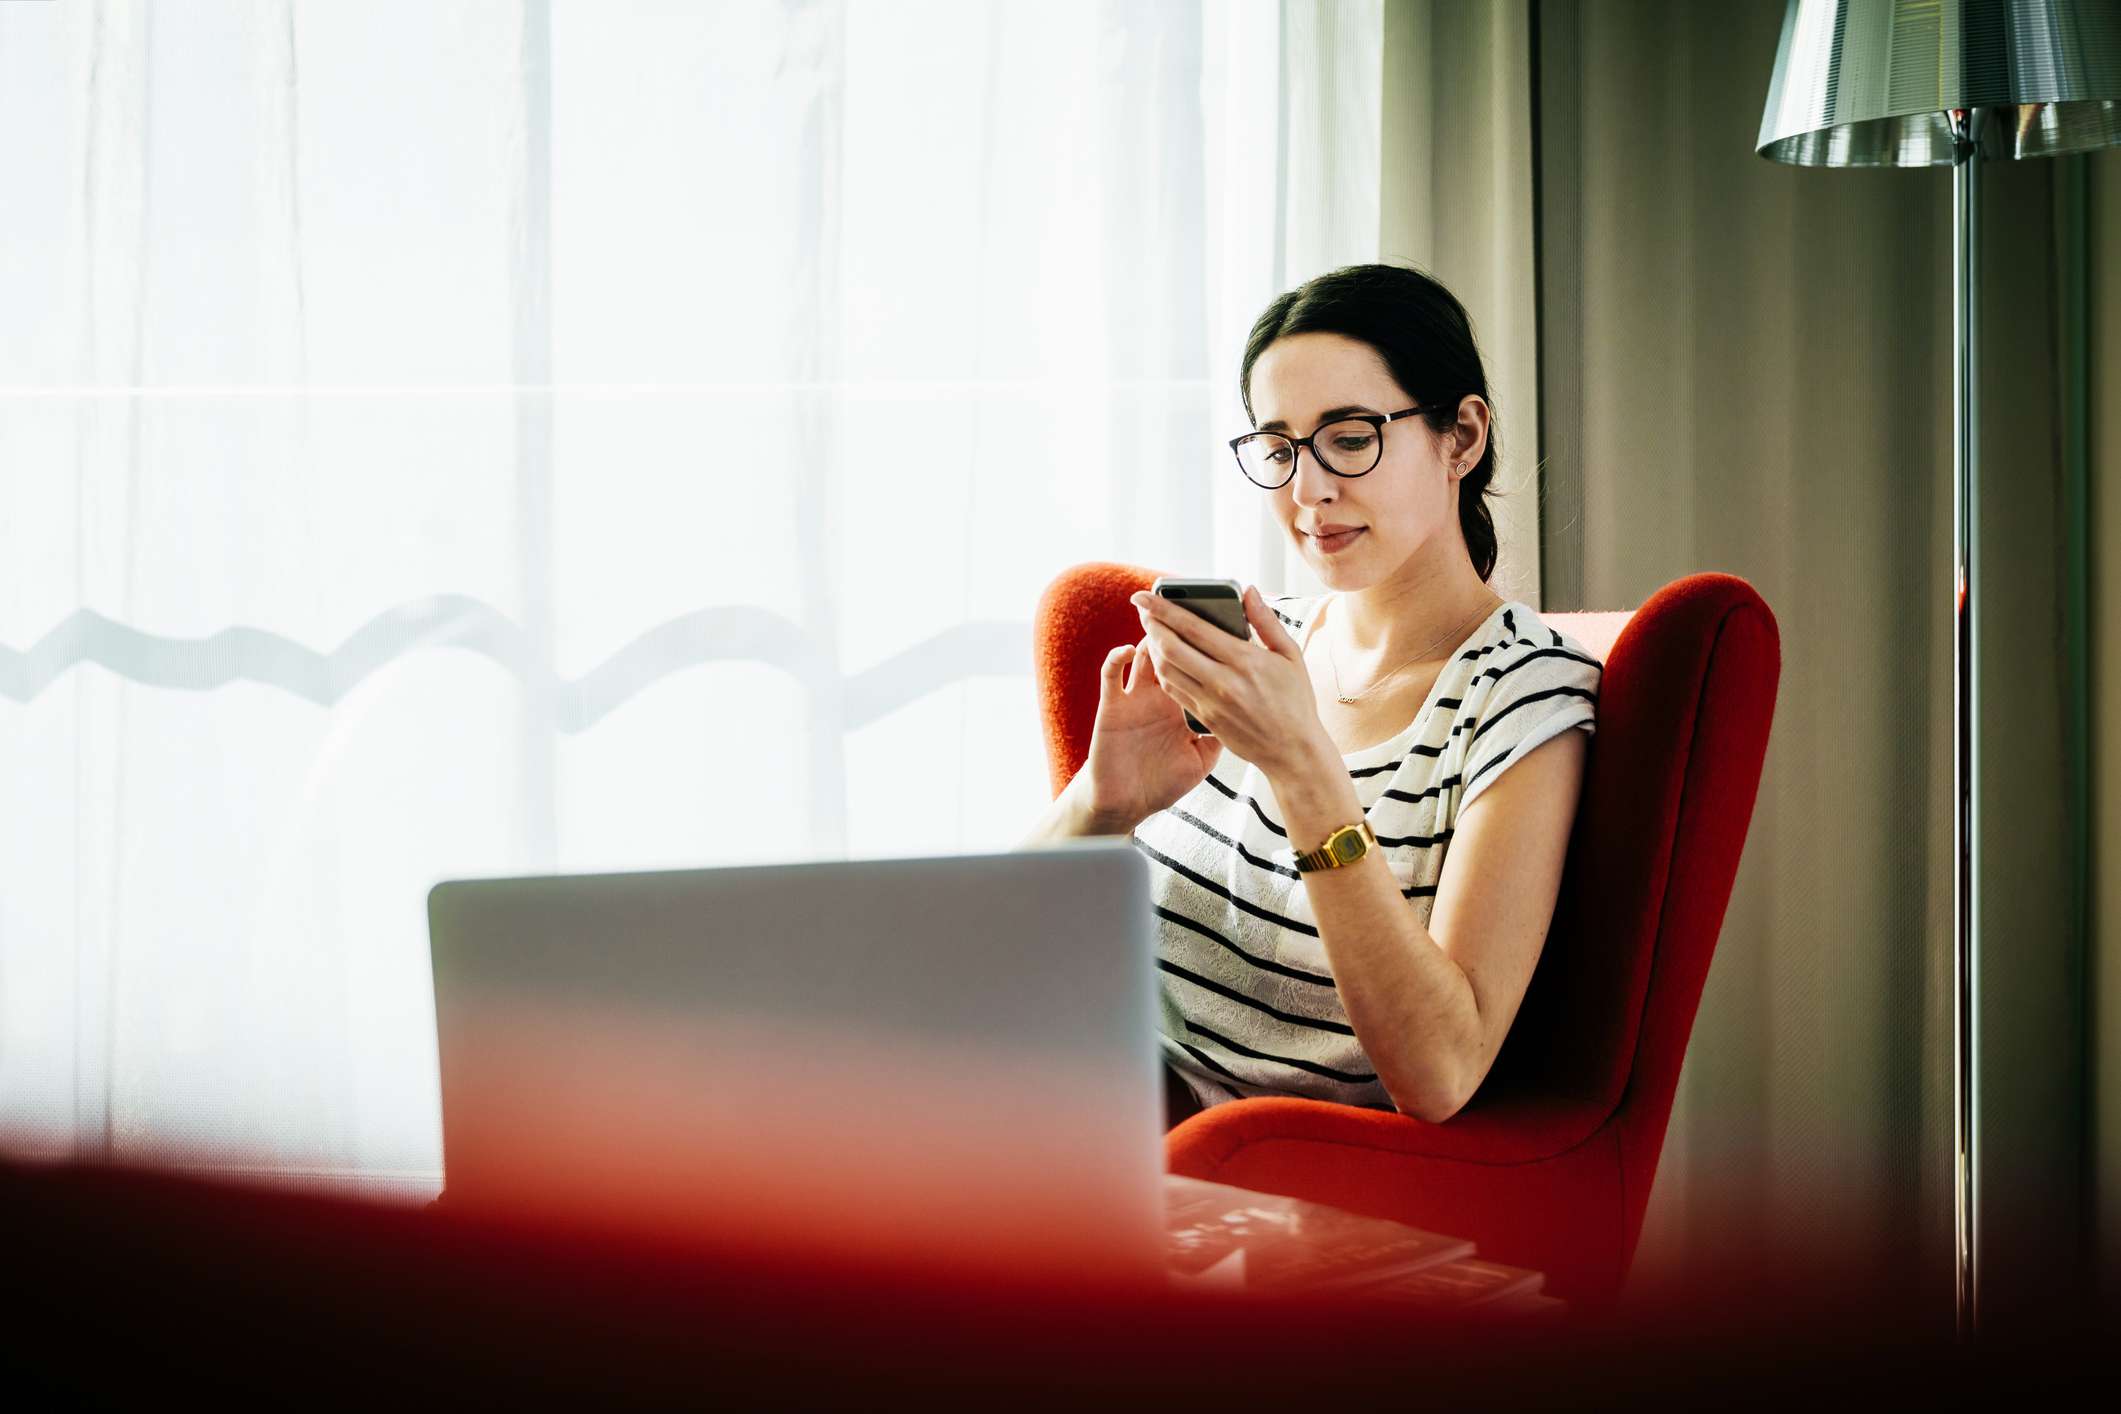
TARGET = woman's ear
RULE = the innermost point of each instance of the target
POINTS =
(1469, 436)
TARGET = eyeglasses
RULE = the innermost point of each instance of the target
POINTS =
(1346, 446)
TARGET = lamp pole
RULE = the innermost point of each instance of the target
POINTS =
(1966, 972)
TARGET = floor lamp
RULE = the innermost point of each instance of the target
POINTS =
(1895, 83)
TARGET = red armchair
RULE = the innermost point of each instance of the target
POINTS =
(1550, 1164)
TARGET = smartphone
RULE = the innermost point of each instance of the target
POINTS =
(1220, 601)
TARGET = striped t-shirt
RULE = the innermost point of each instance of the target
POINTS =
(1248, 1005)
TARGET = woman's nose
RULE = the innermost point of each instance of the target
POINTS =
(1320, 478)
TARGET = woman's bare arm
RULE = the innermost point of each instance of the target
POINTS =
(1431, 1004)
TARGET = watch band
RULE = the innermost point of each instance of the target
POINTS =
(1340, 849)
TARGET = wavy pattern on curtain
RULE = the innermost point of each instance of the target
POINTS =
(450, 621)
(573, 704)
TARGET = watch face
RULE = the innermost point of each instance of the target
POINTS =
(1349, 847)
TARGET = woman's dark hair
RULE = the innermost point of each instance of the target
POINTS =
(1421, 332)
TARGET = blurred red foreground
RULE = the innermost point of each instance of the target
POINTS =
(134, 1285)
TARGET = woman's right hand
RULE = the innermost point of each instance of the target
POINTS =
(1143, 756)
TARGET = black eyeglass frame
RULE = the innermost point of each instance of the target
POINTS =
(1377, 421)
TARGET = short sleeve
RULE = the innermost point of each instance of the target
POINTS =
(1537, 694)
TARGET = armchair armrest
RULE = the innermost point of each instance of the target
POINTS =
(1519, 1130)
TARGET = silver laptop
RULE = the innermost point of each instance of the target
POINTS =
(951, 1057)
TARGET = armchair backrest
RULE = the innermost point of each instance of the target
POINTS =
(1684, 709)
(1082, 616)
(1683, 714)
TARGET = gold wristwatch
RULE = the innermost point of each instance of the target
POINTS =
(1343, 847)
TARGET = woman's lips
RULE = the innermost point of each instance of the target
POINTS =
(1332, 543)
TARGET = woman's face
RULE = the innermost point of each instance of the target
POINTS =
(1406, 504)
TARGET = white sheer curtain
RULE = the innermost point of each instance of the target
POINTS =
(443, 440)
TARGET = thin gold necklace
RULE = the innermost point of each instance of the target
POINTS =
(1346, 700)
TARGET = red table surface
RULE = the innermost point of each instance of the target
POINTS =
(136, 1285)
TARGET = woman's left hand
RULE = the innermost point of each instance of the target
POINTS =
(1254, 694)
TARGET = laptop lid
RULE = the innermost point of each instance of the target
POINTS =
(947, 1056)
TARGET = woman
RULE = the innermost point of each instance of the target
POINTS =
(1409, 698)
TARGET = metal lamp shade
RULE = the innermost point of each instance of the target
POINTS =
(1868, 83)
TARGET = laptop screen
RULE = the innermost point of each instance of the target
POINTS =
(946, 1056)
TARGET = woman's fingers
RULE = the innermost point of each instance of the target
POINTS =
(1142, 667)
(1184, 664)
(1115, 669)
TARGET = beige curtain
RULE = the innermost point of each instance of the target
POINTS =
(1457, 202)
(2103, 989)
(1747, 368)
(1407, 131)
